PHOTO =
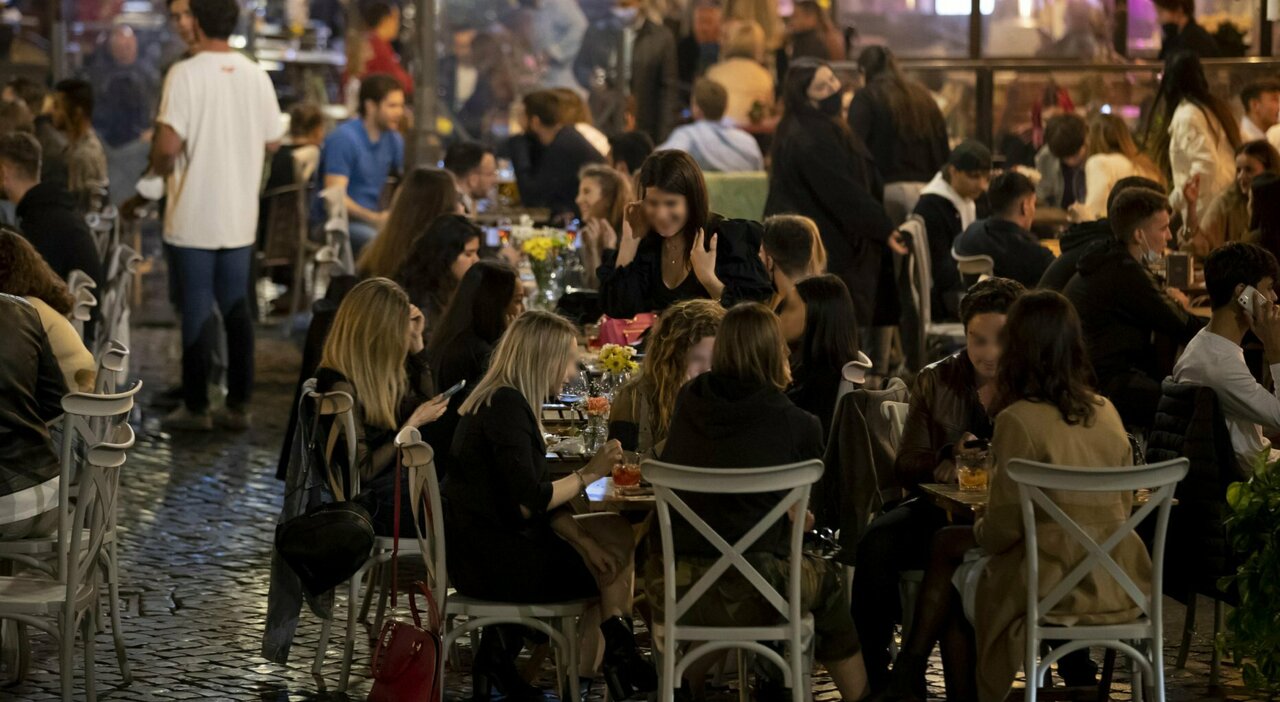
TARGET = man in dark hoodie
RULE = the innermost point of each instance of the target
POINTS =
(1005, 235)
(1122, 306)
(948, 206)
(1083, 236)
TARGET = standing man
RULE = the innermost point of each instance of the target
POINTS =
(1181, 31)
(362, 153)
(637, 57)
(218, 118)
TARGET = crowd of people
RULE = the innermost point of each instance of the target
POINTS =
(1062, 354)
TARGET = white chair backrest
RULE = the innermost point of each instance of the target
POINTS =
(112, 364)
(978, 264)
(341, 407)
(920, 269)
(1033, 479)
(83, 532)
(795, 479)
(419, 459)
(78, 280)
(853, 375)
(896, 413)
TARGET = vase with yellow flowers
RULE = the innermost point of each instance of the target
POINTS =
(617, 363)
(542, 249)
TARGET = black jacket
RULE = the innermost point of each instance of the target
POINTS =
(548, 175)
(1016, 252)
(1193, 38)
(942, 222)
(638, 287)
(814, 391)
(943, 407)
(1078, 239)
(898, 158)
(47, 216)
(31, 390)
(1121, 305)
(654, 76)
(723, 422)
(822, 174)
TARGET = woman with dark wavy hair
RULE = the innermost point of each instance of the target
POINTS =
(973, 597)
(436, 263)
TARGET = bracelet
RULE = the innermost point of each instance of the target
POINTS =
(582, 482)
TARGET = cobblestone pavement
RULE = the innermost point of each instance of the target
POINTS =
(196, 532)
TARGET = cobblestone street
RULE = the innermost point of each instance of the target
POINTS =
(196, 532)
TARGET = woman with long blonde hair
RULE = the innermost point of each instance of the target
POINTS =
(1113, 156)
(373, 333)
(511, 537)
(603, 194)
(425, 194)
(678, 350)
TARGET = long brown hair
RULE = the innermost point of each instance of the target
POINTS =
(910, 103)
(425, 194)
(1044, 358)
(676, 172)
(1184, 80)
(679, 329)
(1108, 134)
(750, 347)
(615, 190)
(25, 273)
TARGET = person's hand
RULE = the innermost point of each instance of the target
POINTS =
(599, 235)
(702, 260)
(603, 462)
(417, 323)
(1265, 323)
(428, 412)
(1191, 189)
(897, 243)
(1179, 297)
(635, 226)
(1075, 213)
(945, 472)
(604, 564)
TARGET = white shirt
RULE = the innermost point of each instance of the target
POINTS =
(717, 146)
(1250, 131)
(223, 107)
(1199, 146)
(1218, 363)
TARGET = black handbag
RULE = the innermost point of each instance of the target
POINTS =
(330, 542)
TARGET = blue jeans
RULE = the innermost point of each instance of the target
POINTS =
(360, 233)
(203, 277)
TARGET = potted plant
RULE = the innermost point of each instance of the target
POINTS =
(1253, 627)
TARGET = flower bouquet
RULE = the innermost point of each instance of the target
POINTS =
(542, 248)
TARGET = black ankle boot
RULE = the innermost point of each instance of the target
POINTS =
(494, 668)
(907, 683)
(625, 671)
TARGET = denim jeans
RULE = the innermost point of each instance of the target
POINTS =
(205, 277)
(360, 233)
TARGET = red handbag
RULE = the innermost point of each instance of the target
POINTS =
(406, 661)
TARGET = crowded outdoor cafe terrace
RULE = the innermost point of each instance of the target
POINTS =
(639, 349)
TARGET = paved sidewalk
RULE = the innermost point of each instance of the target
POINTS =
(196, 527)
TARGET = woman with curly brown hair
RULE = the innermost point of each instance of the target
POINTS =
(679, 350)
(23, 273)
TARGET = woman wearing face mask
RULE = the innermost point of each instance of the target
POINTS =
(677, 351)
(824, 172)
(1227, 217)
(1123, 307)
(672, 247)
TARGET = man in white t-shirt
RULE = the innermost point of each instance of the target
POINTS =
(1215, 359)
(218, 118)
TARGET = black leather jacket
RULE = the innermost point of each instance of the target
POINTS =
(31, 390)
(944, 405)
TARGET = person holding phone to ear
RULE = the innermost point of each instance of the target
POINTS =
(1240, 279)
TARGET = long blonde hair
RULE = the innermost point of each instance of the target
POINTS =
(679, 329)
(368, 344)
(1108, 134)
(531, 358)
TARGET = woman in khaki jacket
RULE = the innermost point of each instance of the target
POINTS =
(975, 598)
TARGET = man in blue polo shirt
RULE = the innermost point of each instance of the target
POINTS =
(362, 153)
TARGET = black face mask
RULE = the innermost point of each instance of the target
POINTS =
(830, 105)
(1170, 30)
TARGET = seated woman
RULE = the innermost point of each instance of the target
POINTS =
(603, 194)
(950, 404)
(1226, 218)
(792, 251)
(31, 390)
(736, 416)
(432, 268)
(425, 194)
(818, 322)
(24, 273)
(375, 330)
(1112, 157)
(974, 600)
(677, 351)
(488, 300)
(673, 248)
(511, 536)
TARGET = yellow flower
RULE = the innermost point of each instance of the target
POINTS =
(617, 359)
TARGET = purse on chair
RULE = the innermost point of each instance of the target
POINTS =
(406, 660)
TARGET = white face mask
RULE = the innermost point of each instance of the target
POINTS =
(626, 14)
(1150, 256)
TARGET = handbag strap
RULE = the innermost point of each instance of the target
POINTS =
(433, 613)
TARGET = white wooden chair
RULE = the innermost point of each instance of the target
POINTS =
(1140, 640)
(113, 364)
(60, 605)
(896, 414)
(795, 630)
(83, 300)
(919, 273)
(974, 267)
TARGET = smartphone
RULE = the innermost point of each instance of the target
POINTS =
(1246, 300)
(455, 389)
